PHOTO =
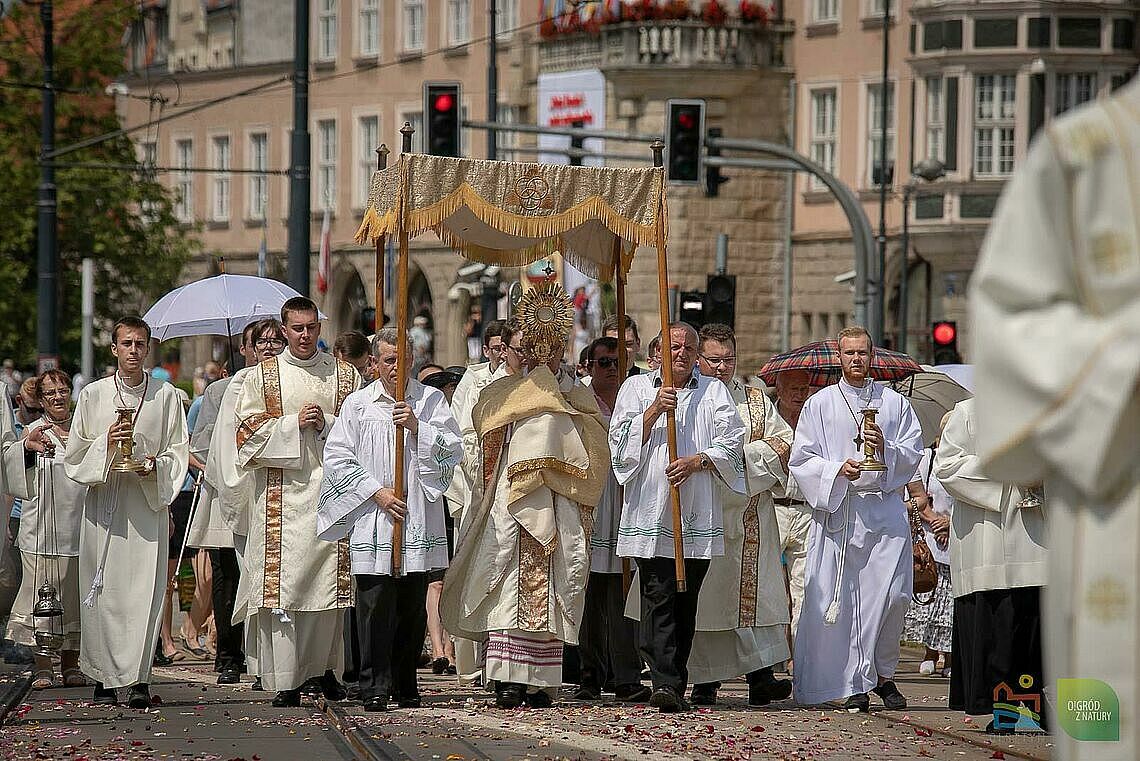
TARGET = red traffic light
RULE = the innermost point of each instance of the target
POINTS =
(686, 120)
(443, 102)
(944, 333)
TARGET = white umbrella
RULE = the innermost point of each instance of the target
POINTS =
(219, 306)
(932, 394)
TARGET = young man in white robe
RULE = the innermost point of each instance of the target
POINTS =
(298, 585)
(710, 447)
(859, 579)
(124, 536)
(1055, 305)
(518, 578)
(357, 501)
(743, 612)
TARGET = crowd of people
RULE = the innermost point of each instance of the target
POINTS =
(530, 533)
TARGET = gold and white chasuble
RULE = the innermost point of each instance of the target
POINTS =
(522, 562)
(1057, 293)
(296, 583)
(743, 610)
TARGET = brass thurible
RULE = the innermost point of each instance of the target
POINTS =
(870, 462)
(126, 462)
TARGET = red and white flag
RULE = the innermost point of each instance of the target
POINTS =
(323, 259)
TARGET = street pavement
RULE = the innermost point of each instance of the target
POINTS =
(196, 719)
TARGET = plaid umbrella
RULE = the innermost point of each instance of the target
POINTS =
(821, 359)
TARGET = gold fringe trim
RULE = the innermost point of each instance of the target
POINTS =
(544, 463)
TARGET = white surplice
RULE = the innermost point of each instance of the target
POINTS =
(474, 380)
(359, 456)
(1056, 301)
(124, 536)
(742, 611)
(707, 422)
(208, 527)
(48, 537)
(298, 585)
(859, 527)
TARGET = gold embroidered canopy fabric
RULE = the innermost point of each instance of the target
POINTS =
(512, 214)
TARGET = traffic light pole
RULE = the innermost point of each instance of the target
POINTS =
(299, 197)
(47, 293)
(492, 78)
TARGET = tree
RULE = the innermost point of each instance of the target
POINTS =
(123, 219)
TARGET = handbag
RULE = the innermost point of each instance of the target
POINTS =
(925, 571)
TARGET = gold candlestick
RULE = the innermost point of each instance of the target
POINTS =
(870, 462)
(126, 462)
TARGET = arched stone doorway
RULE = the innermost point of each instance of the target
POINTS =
(344, 302)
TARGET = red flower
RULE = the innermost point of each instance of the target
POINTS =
(712, 12)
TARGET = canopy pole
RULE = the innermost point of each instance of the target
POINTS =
(402, 360)
(623, 364)
(381, 244)
(658, 148)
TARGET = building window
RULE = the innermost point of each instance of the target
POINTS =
(508, 115)
(935, 119)
(459, 22)
(942, 35)
(326, 164)
(413, 24)
(416, 119)
(506, 18)
(369, 27)
(220, 211)
(876, 8)
(995, 33)
(1039, 32)
(824, 123)
(994, 111)
(1071, 90)
(368, 140)
(1123, 34)
(823, 11)
(184, 160)
(326, 30)
(258, 183)
(1078, 32)
(876, 132)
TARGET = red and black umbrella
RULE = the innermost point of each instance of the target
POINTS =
(821, 359)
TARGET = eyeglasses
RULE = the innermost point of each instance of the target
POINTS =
(262, 343)
(605, 362)
(716, 361)
(516, 349)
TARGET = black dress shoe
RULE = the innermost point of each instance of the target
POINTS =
(892, 698)
(859, 702)
(352, 690)
(509, 695)
(704, 694)
(409, 701)
(229, 676)
(256, 686)
(668, 700)
(104, 696)
(331, 688)
(162, 659)
(540, 699)
(632, 693)
(451, 670)
(287, 699)
(139, 696)
(588, 692)
(766, 688)
(376, 704)
(439, 665)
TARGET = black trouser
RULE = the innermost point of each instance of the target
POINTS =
(351, 647)
(225, 573)
(607, 640)
(391, 620)
(668, 618)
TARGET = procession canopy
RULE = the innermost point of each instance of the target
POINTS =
(512, 213)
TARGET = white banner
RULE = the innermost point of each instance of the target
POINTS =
(565, 98)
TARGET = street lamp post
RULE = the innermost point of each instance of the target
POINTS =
(927, 170)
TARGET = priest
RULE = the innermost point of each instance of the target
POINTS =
(1056, 304)
(298, 585)
(123, 539)
(518, 578)
(742, 611)
(858, 581)
(357, 501)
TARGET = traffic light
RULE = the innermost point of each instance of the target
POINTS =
(692, 308)
(442, 109)
(577, 142)
(713, 178)
(720, 300)
(944, 338)
(684, 136)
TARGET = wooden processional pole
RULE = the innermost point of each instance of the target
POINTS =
(623, 365)
(658, 148)
(402, 358)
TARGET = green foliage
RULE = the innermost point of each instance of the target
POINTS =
(124, 220)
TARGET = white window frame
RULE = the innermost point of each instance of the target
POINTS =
(824, 11)
(367, 138)
(327, 148)
(1069, 92)
(508, 114)
(872, 130)
(507, 20)
(258, 200)
(823, 130)
(413, 24)
(935, 112)
(414, 115)
(368, 22)
(327, 31)
(221, 150)
(994, 124)
(184, 180)
(459, 22)
(876, 8)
